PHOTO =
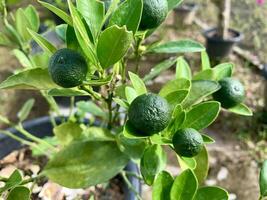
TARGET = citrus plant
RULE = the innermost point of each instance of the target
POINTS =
(126, 121)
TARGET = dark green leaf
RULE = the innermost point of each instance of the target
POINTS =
(138, 84)
(211, 193)
(131, 133)
(241, 109)
(19, 192)
(85, 164)
(14, 180)
(202, 167)
(129, 14)
(174, 3)
(185, 186)
(202, 115)
(155, 71)
(71, 39)
(152, 162)
(182, 69)
(112, 45)
(25, 110)
(199, 90)
(30, 79)
(263, 179)
(182, 46)
(162, 186)
(175, 85)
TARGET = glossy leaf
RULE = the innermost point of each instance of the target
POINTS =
(30, 79)
(207, 74)
(19, 192)
(67, 92)
(32, 15)
(45, 44)
(187, 163)
(84, 164)
(93, 12)
(207, 139)
(121, 102)
(25, 110)
(175, 85)
(67, 132)
(159, 68)
(22, 24)
(182, 46)
(205, 61)
(138, 84)
(130, 93)
(211, 193)
(241, 109)
(162, 186)
(61, 31)
(184, 186)
(202, 168)
(174, 3)
(129, 14)
(202, 115)
(176, 97)
(58, 12)
(152, 162)
(22, 58)
(182, 69)
(222, 71)
(113, 44)
(71, 39)
(263, 179)
(90, 107)
(14, 180)
(199, 90)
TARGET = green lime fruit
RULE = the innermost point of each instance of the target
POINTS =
(68, 68)
(149, 114)
(232, 93)
(154, 13)
(187, 142)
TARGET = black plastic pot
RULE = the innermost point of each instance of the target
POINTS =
(218, 48)
(42, 127)
(184, 14)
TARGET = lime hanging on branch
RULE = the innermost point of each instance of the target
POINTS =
(154, 13)
(149, 114)
(68, 68)
(232, 93)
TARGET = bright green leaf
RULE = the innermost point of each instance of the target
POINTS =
(175, 85)
(187, 163)
(174, 3)
(205, 61)
(241, 109)
(207, 139)
(97, 134)
(202, 168)
(25, 110)
(211, 193)
(182, 69)
(121, 102)
(90, 107)
(22, 58)
(207, 74)
(14, 180)
(32, 15)
(130, 94)
(222, 71)
(176, 97)
(19, 192)
(67, 92)
(263, 179)
(138, 84)
(22, 24)
(162, 186)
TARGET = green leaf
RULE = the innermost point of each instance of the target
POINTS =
(202, 115)
(134, 148)
(82, 34)
(40, 60)
(36, 78)
(46, 45)
(19, 192)
(205, 61)
(93, 12)
(222, 71)
(25, 110)
(67, 92)
(159, 68)
(58, 12)
(175, 85)
(130, 94)
(182, 69)
(32, 15)
(211, 193)
(138, 84)
(67, 132)
(131, 133)
(71, 39)
(182, 46)
(179, 116)
(24, 61)
(39, 151)
(90, 107)
(176, 97)
(184, 186)
(112, 7)
(241, 109)
(97, 134)
(160, 140)
(14, 180)
(61, 31)
(207, 139)
(22, 24)
(113, 44)
(207, 74)
(129, 14)
(152, 162)
(200, 89)
(121, 102)
(85, 164)
(263, 179)
(162, 186)
(202, 168)
(99, 82)
(187, 163)
(174, 3)
(4, 40)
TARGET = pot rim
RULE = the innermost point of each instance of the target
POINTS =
(237, 38)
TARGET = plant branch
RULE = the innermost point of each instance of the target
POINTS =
(130, 186)
(134, 175)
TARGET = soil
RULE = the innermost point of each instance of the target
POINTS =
(46, 190)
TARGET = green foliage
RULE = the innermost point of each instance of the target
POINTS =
(25, 110)
(162, 186)
(19, 192)
(263, 179)
(211, 193)
(14, 180)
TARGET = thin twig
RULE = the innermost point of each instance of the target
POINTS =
(130, 186)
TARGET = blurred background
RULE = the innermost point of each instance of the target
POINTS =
(241, 142)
